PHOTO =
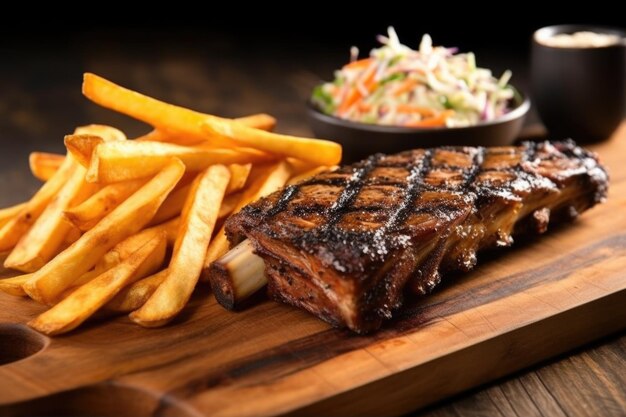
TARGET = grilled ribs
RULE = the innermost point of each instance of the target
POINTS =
(348, 245)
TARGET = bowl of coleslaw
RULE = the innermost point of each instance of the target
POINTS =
(400, 98)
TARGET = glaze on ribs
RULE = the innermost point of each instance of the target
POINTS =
(348, 245)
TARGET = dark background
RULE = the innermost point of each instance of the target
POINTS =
(468, 25)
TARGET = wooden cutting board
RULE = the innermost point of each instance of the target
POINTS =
(518, 307)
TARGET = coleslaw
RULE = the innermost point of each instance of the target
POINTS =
(433, 86)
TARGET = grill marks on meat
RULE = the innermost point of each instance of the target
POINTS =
(347, 245)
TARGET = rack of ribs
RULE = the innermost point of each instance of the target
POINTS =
(349, 245)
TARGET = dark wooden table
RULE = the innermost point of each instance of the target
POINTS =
(40, 101)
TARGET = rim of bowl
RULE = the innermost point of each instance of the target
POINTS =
(519, 111)
(545, 32)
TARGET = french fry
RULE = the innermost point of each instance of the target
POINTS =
(229, 203)
(72, 236)
(107, 133)
(197, 222)
(273, 177)
(134, 296)
(84, 140)
(238, 177)
(88, 213)
(81, 147)
(170, 228)
(43, 165)
(44, 238)
(172, 205)
(155, 135)
(128, 218)
(154, 112)
(15, 228)
(128, 246)
(308, 174)
(299, 166)
(121, 252)
(317, 151)
(14, 285)
(8, 213)
(258, 121)
(87, 299)
(123, 161)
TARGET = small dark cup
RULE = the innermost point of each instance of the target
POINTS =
(579, 92)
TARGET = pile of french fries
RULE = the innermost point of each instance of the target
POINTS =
(127, 226)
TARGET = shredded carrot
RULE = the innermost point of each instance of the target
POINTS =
(364, 107)
(412, 109)
(351, 97)
(360, 64)
(354, 95)
(439, 120)
(406, 86)
(370, 81)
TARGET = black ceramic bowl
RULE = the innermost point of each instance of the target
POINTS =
(360, 139)
(579, 92)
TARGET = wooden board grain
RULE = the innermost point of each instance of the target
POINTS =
(518, 307)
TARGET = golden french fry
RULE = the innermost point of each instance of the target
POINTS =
(197, 222)
(8, 213)
(72, 236)
(171, 230)
(172, 205)
(259, 121)
(265, 182)
(128, 246)
(81, 147)
(13, 285)
(121, 252)
(238, 177)
(299, 166)
(82, 143)
(83, 279)
(154, 112)
(43, 165)
(229, 203)
(155, 135)
(122, 161)
(156, 259)
(107, 133)
(128, 218)
(161, 135)
(45, 237)
(317, 151)
(134, 296)
(86, 300)
(15, 228)
(88, 213)
(308, 174)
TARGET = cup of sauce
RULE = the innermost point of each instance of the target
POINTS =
(578, 77)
